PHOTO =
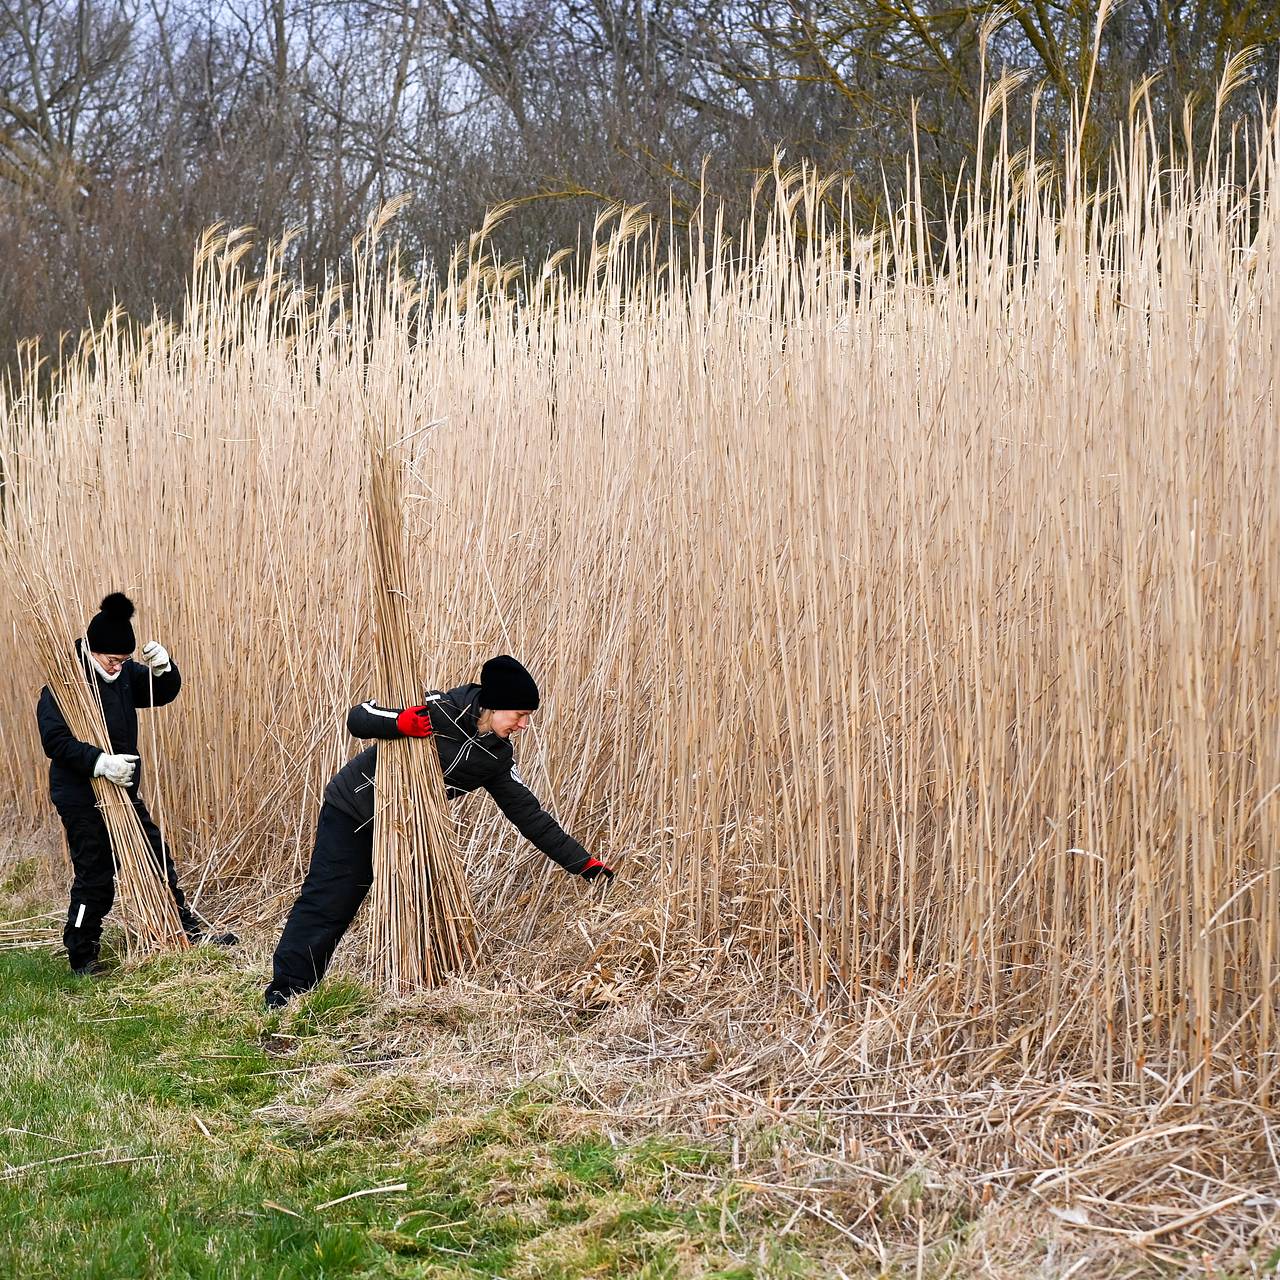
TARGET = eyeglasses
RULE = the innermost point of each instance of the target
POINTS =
(113, 659)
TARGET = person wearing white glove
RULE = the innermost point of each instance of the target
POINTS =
(123, 687)
(156, 656)
(117, 769)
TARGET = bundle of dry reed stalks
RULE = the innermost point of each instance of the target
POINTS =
(147, 908)
(421, 918)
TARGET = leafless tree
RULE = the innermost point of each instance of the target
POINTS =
(127, 126)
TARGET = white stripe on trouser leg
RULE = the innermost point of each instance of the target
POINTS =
(79, 916)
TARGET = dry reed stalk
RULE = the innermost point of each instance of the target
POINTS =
(40, 931)
(421, 919)
(908, 602)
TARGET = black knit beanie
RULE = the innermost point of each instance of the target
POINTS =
(506, 686)
(109, 630)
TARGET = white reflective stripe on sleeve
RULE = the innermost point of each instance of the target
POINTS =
(79, 916)
(374, 709)
(515, 777)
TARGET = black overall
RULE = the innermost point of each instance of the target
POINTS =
(71, 765)
(341, 870)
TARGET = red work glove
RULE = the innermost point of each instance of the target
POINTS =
(596, 868)
(414, 722)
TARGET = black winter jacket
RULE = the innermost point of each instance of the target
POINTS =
(71, 761)
(468, 760)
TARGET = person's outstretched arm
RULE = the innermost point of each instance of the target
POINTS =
(537, 826)
(369, 720)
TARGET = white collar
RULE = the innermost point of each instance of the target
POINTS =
(103, 674)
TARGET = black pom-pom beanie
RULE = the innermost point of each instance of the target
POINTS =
(109, 630)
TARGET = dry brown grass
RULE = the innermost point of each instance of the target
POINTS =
(906, 621)
(891, 1148)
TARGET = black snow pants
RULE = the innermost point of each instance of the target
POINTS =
(93, 889)
(338, 879)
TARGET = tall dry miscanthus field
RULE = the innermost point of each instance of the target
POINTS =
(906, 609)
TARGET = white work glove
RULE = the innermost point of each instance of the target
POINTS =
(117, 769)
(156, 656)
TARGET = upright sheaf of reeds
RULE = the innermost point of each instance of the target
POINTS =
(146, 906)
(421, 919)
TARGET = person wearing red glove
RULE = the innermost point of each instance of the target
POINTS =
(471, 727)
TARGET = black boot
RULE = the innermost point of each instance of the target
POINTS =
(84, 961)
(198, 931)
(274, 998)
(213, 939)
